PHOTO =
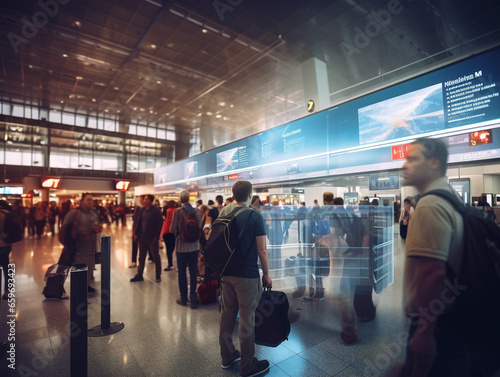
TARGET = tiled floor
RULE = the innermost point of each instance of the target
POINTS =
(161, 338)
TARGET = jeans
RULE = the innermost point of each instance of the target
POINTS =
(169, 240)
(241, 294)
(187, 260)
(153, 247)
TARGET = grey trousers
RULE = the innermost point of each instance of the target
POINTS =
(243, 295)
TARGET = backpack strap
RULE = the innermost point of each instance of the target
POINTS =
(450, 197)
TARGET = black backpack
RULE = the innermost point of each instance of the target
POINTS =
(190, 228)
(222, 255)
(476, 315)
(12, 230)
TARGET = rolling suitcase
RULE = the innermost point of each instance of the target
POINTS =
(54, 281)
(272, 325)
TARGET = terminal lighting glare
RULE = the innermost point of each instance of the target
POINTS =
(153, 46)
(65, 55)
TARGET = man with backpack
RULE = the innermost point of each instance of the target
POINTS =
(434, 253)
(186, 227)
(241, 290)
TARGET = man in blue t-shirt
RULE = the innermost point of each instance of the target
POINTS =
(242, 291)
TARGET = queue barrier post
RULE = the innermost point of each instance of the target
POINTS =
(79, 319)
(106, 327)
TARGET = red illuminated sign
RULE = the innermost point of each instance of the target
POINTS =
(399, 152)
(51, 183)
(122, 185)
(232, 177)
(481, 137)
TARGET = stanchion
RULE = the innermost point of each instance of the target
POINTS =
(78, 317)
(106, 327)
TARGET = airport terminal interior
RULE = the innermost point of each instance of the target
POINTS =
(122, 98)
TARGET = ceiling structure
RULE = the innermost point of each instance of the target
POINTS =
(230, 66)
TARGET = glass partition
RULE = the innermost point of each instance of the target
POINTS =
(318, 252)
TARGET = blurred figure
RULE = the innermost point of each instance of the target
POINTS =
(86, 222)
(168, 237)
(135, 223)
(31, 221)
(404, 218)
(53, 213)
(5, 249)
(148, 233)
(19, 211)
(218, 202)
(41, 215)
(256, 203)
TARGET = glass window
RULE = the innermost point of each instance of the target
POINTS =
(62, 159)
(81, 120)
(171, 135)
(141, 130)
(132, 164)
(13, 157)
(5, 108)
(18, 111)
(44, 114)
(110, 125)
(152, 132)
(100, 124)
(107, 162)
(34, 113)
(54, 116)
(92, 122)
(162, 134)
(132, 129)
(27, 112)
(68, 118)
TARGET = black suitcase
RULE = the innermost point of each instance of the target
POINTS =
(54, 281)
(272, 325)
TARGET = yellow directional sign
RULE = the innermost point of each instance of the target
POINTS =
(310, 106)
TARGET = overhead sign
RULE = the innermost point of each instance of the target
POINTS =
(51, 183)
(122, 185)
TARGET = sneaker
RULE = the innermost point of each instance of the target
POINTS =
(260, 367)
(180, 302)
(167, 268)
(237, 357)
(133, 265)
(348, 339)
(136, 278)
(158, 280)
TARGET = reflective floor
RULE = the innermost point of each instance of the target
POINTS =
(161, 338)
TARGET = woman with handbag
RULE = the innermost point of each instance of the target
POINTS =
(404, 218)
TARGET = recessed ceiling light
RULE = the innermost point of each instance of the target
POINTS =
(106, 110)
(209, 113)
(164, 99)
(79, 77)
(218, 116)
(30, 66)
(204, 31)
(77, 24)
(62, 101)
(93, 99)
(153, 46)
(222, 104)
(158, 81)
(65, 55)
(135, 108)
(116, 88)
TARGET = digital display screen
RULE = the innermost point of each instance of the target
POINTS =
(459, 103)
(390, 182)
(11, 190)
(462, 187)
(481, 137)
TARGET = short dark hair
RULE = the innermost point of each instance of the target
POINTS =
(85, 194)
(435, 148)
(150, 197)
(219, 199)
(407, 200)
(327, 197)
(210, 202)
(338, 201)
(242, 191)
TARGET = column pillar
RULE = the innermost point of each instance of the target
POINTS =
(315, 79)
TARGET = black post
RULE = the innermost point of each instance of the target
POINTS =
(105, 282)
(78, 325)
(106, 327)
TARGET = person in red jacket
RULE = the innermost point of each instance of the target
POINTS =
(168, 237)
